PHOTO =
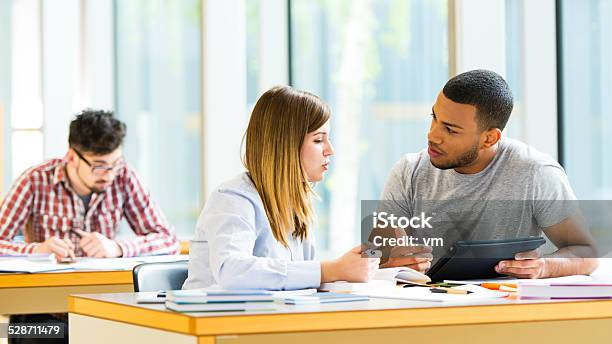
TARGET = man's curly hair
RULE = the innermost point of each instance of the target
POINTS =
(96, 131)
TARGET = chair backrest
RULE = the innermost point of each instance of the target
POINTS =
(159, 276)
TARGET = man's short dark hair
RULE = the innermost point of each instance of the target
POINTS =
(487, 91)
(96, 131)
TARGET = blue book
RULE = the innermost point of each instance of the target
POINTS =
(324, 298)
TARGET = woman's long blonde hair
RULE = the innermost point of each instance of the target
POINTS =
(279, 123)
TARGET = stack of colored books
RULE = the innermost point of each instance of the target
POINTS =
(199, 300)
(586, 290)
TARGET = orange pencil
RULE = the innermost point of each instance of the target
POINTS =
(497, 286)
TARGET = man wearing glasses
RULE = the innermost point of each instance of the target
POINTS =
(73, 206)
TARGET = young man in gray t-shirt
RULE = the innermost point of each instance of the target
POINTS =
(507, 188)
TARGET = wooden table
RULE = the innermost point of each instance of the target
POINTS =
(48, 292)
(117, 318)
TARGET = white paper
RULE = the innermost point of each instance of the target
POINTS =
(149, 297)
(25, 265)
(564, 279)
(103, 264)
(481, 281)
(281, 294)
(424, 294)
(113, 264)
(342, 286)
(84, 263)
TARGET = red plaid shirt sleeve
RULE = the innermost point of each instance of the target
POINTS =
(154, 235)
(14, 213)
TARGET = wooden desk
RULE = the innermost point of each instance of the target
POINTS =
(117, 318)
(185, 247)
(48, 292)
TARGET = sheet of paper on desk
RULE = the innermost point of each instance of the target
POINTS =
(355, 287)
(25, 265)
(103, 264)
(282, 294)
(162, 258)
(573, 278)
(34, 257)
(604, 270)
(324, 297)
(424, 294)
(122, 263)
(150, 297)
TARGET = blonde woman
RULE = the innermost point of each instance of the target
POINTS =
(256, 229)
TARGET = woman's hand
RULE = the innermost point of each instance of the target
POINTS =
(351, 267)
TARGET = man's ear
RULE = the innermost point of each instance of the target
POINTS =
(71, 156)
(491, 137)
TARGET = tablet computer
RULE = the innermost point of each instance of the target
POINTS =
(477, 259)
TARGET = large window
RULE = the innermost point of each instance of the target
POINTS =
(5, 90)
(586, 38)
(380, 65)
(140, 58)
(158, 96)
(21, 107)
(253, 21)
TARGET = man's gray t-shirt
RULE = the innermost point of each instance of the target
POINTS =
(520, 193)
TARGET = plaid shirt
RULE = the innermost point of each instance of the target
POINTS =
(42, 204)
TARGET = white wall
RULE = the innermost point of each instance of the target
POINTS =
(477, 36)
(223, 89)
(540, 75)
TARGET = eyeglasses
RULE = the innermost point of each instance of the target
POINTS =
(100, 170)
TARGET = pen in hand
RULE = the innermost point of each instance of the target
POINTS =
(60, 248)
